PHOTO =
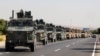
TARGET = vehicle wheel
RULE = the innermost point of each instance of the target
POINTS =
(44, 42)
(55, 40)
(68, 38)
(32, 47)
(9, 47)
(52, 40)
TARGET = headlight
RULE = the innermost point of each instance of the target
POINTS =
(41, 35)
(50, 35)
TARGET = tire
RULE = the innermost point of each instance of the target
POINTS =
(68, 37)
(32, 47)
(52, 40)
(9, 47)
(44, 42)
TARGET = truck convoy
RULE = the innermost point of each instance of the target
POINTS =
(41, 32)
(20, 32)
(51, 34)
(23, 31)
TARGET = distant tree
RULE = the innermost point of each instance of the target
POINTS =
(98, 30)
(3, 24)
(94, 31)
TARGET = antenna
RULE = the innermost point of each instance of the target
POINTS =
(12, 13)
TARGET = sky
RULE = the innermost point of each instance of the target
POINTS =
(71, 13)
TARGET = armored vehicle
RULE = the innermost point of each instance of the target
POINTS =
(41, 32)
(83, 34)
(68, 33)
(51, 32)
(59, 33)
(20, 32)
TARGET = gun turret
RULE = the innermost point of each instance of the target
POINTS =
(20, 14)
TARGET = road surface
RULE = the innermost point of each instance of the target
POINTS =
(72, 47)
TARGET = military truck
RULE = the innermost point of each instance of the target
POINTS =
(41, 32)
(20, 32)
(83, 34)
(51, 32)
(68, 33)
(59, 33)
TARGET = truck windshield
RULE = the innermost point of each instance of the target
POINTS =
(49, 29)
(40, 27)
(20, 23)
(58, 30)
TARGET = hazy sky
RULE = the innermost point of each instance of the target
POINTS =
(79, 13)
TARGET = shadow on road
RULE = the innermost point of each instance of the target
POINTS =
(15, 50)
(97, 50)
(84, 49)
(97, 43)
(2, 50)
(89, 44)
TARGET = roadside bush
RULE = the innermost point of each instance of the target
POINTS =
(1, 39)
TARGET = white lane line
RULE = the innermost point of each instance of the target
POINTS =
(7, 52)
(56, 42)
(1, 53)
(68, 46)
(73, 43)
(77, 41)
(57, 50)
(41, 55)
(93, 53)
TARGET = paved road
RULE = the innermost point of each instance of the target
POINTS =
(73, 47)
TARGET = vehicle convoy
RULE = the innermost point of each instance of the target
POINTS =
(41, 31)
(59, 33)
(51, 32)
(20, 32)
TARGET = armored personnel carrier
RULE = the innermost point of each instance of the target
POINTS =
(51, 34)
(41, 32)
(68, 33)
(59, 33)
(20, 31)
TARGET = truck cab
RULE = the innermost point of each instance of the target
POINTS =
(51, 32)
(20, 32)
(59, 33)
(41, 32)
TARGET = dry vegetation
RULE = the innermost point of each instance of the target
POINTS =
(2, 37)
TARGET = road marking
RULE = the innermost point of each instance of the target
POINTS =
(67, 45)
(7, 52)
(77, 41)
(1, 53)
(57, 50)
(93, 53)
(56, 42)
(42, 55)
(73, 43)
